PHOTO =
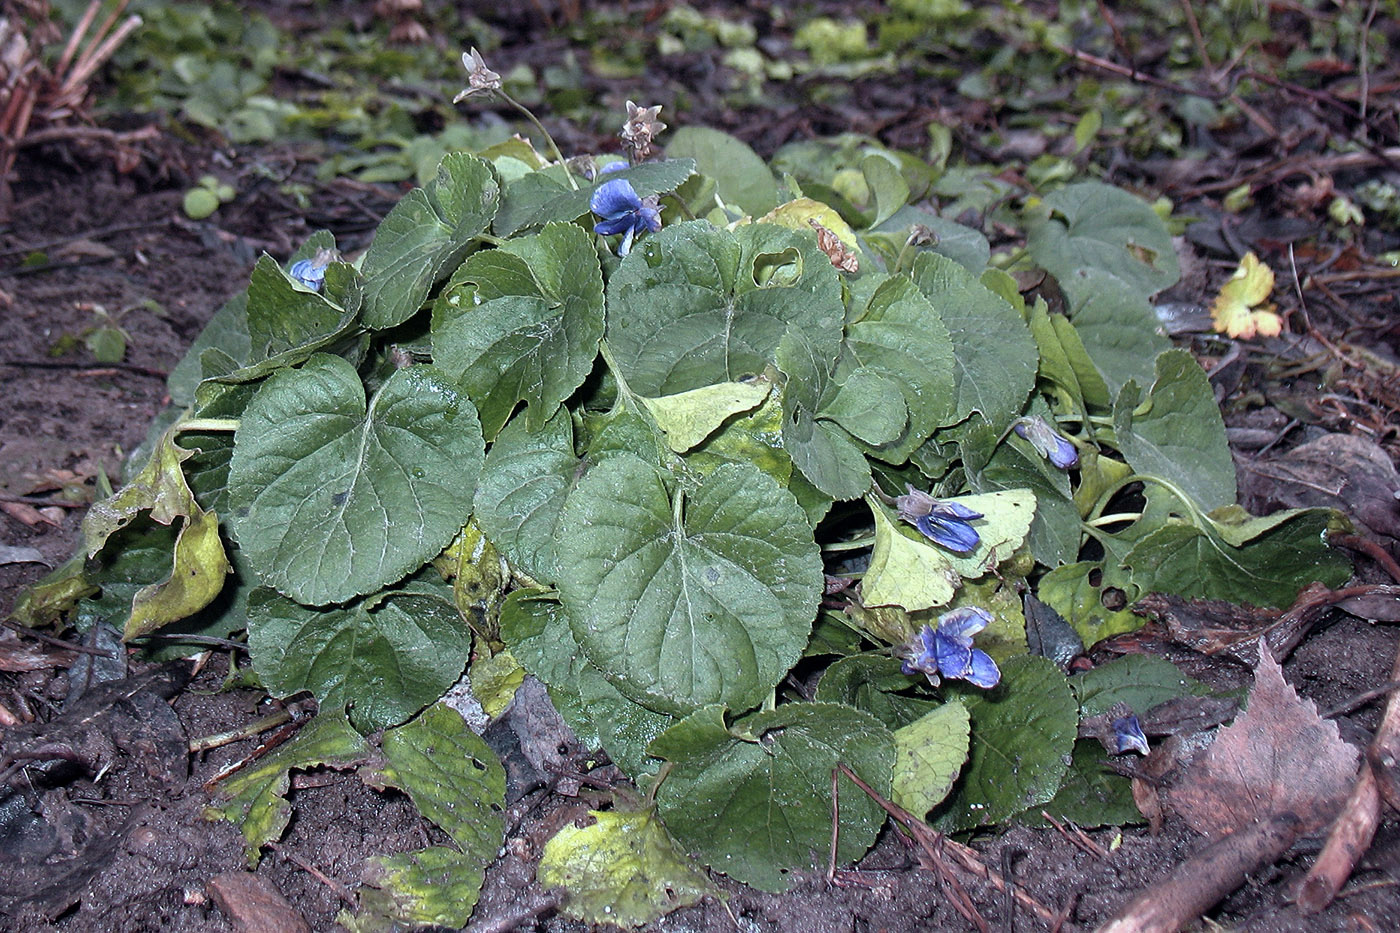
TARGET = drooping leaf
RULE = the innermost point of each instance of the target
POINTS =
(384, 658)
(825, 452)
(456, 781)
(754, 800)
(1176, 432)
(690, 417)
(253, 797)
(742, 178)
(527, 325)
(427, 232)
(335, 498)
(687, 597)
(1022, 736)
(1275, 556)
(624, 869)
(1094, 225)
(198, 564)
(1117, 326)
(694, 306)
(989, 337)
(523, 485)
(928, 754)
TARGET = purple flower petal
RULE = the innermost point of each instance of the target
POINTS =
(954, 657)
(964, 623)
(948, 531)
(1128, 735)
(982, 672)
(1047, 442)
(615, 199)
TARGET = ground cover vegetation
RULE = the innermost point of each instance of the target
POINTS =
(806, 477)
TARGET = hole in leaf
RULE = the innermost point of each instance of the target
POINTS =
(1113, 599)
(777, 270)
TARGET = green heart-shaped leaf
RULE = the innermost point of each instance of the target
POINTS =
(334, 498)
(754, 800)
(688, 598)
(525, 325)
(694, 306)
(384, 658)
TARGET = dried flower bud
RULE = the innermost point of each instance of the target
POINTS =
(841, 257)
(480, 79)
(641, 128)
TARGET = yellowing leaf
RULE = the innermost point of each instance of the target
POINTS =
(690, 417)
(1240, 310)
(798, 214)
(495, 680)
(928, 754)
(624, 869)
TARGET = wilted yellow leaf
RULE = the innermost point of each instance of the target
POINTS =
(1240, 309)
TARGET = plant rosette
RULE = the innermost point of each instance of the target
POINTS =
(683, 471)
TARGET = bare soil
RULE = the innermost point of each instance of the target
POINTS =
(127, 848)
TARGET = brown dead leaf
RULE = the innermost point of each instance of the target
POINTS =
(1278, 757)
(1210, 626)
(29, 515)
(1336, 471)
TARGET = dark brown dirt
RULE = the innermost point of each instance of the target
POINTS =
(137, 854)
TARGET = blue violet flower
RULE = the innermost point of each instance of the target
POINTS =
(1128, 736)
(622, 211)
(943, 523)
(311, 273)
(1047, 442)
(946, 651)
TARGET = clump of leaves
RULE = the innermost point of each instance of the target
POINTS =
(783, 433)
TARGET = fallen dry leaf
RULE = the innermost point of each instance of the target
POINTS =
(1336, 471)
(1278, 757)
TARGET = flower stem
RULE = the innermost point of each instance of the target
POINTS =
(553, 146)
(208, 425)
(855, 544)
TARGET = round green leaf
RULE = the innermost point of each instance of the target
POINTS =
(334, 498)
(694, 306)
(1097, 226)
(754, 801)
(385, 659)
(686, 599)
(523, 484)
(1023, 733)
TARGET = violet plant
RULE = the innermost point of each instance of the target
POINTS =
(490, 444)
